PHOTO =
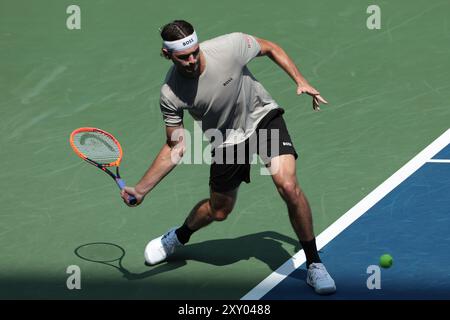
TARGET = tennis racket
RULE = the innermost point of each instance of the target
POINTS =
(100, 149)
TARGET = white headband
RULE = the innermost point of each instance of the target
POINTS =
(182, 44)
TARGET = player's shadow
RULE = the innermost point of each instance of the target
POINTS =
(264, 246)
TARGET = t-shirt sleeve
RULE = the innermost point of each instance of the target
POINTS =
(172, 115)
(246, 47)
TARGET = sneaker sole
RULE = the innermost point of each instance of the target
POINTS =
(324, 291)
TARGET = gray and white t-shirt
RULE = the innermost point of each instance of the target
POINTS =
(225, 96)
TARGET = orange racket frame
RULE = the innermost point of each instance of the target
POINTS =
(82, 156)
(120, 183)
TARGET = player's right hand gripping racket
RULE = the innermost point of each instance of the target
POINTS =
(100, 149)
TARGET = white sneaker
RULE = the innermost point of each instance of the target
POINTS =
(319, 278)
(160, 248)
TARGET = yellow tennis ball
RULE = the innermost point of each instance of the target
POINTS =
(386, 261)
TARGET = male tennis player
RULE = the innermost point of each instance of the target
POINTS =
(211, 81)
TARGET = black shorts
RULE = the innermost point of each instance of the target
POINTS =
(231, 165)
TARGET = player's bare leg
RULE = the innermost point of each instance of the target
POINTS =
(216, 208)
(283, 170)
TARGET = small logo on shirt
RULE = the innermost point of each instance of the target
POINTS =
(287, 144)
(227, 82)
(249, 42)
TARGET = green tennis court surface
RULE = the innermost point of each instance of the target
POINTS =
(388, 93)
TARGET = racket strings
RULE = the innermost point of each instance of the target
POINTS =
(97, 147)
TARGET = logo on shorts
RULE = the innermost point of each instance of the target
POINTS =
(227, 82)
(287, 144)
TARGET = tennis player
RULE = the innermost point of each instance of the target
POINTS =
(211, 81)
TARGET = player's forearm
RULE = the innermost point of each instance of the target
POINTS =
(280, 57)
(161, 166)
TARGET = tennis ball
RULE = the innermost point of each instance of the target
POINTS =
(386, 261)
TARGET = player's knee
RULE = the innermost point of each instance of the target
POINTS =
(221, 213)
(289, 190)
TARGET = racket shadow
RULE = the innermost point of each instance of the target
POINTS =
(111, 254)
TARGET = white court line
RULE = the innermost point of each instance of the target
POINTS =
(350, 216)
(439, 160)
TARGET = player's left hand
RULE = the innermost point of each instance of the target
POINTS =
(317, 99)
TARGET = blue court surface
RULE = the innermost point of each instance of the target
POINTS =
(408, 216)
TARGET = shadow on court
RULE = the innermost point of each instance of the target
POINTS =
(264, 246)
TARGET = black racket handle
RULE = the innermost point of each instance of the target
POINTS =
(132, 200)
